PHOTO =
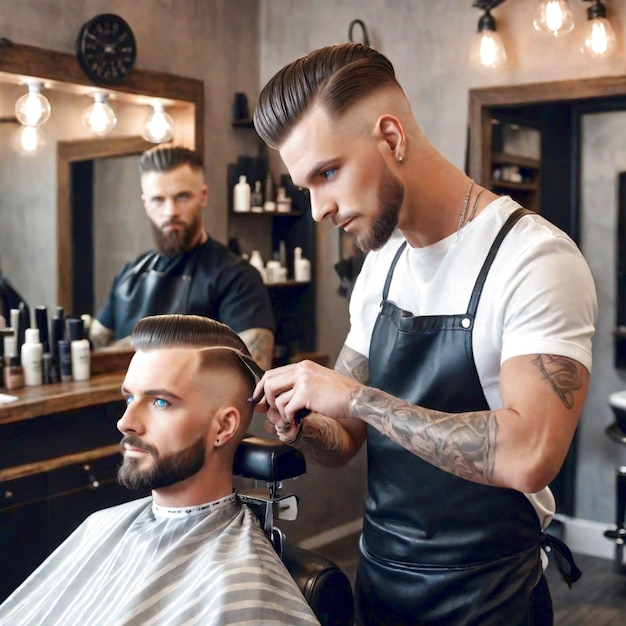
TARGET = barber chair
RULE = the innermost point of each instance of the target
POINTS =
(617, 432)
(324, 586)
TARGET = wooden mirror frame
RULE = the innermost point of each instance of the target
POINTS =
(483, 102)
(59, 67)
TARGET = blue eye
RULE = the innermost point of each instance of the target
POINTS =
(129, 399)
(329, 174)
(159, 403)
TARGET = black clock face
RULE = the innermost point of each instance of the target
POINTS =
(106, 48)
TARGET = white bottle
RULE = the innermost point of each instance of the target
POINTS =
(301, 267)
(241, 197)
(80, 350)
(256, 260)
(32, 354)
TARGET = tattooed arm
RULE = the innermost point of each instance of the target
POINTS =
(260, 342)
(521, 446)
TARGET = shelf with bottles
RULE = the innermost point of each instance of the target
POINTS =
(515, 172)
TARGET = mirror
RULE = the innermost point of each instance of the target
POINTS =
(38, 235)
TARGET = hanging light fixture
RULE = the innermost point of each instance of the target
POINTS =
(487, 49)
(159, 126)
(29, 141)
(554, 17)
(33, 108)
(599, 39)
(99, 117)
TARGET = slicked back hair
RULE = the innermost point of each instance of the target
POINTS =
(167, 157)
(335, 77)
(194, 331)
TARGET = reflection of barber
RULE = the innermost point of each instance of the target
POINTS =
(189, 272)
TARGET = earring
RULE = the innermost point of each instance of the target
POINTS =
(400, 158)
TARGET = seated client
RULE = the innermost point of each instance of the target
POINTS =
(191, 553)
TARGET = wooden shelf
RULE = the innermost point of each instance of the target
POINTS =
(501, 158)
(506, 184)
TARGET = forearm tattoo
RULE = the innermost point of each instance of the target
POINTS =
(321, 443)
(463, 444)
(563, 375)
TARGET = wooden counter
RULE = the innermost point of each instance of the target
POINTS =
(46, 399)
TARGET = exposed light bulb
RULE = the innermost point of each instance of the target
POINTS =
(487, 49)
(554, 17)
(32, 109)
(159, 126)
(99, 117)
(29, 141)
(599, 39)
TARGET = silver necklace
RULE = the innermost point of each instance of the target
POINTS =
(470, 216)
(464, 210)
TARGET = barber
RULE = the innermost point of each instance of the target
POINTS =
(467, 361)
(189, 272)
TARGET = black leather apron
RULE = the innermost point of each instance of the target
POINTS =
(437, 549)
(144, 290)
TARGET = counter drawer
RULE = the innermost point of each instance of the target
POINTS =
(18, 491)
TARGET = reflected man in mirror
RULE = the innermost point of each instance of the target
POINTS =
(191, 552)
(189, 272)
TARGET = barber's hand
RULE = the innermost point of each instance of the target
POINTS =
(285, 391)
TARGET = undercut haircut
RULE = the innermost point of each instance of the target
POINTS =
(336, 77)
(167, 157)
(194, 331)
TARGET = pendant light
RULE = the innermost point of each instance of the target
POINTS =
(29, 141)
(159, 126)
(99, 117)
(554, 17)
(599, 39)
(33, 108)
(487, 49)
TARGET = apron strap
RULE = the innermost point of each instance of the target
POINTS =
(563, 558)
(390, 272)
(495, 246)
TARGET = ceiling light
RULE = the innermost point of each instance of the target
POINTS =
(99, 117)
(487, 49)
(32, 109)
(599, 39)
(29, 141)
(554, 17)
(159, 126)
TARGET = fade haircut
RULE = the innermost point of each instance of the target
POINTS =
(336, 77)
(195, 331)
(167, 157)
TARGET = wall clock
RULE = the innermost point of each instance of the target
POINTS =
(106, 48)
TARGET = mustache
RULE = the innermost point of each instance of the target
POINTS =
(173, 222)
(136, 442)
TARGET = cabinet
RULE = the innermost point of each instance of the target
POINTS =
(293, 302)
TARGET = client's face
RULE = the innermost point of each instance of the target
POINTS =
(168, 419)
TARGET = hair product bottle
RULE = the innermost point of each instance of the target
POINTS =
(241, 197)
(13, 374)
(32, 354)
(301, 267)
(80, 350)
(257, 198)
(256, 260)
(65, 360)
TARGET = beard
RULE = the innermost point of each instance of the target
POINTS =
(176, 241)
(164, 471)
(390, 199)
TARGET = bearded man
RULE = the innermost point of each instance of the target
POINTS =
(189, 272)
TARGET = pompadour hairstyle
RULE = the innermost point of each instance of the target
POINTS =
(335, 76)
(166, 157)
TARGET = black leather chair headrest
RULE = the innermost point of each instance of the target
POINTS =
(268, 459)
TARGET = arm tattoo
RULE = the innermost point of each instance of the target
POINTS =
(463, 444)
(260, 343)
(563, 375)
(352, 364)
(321, 443)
